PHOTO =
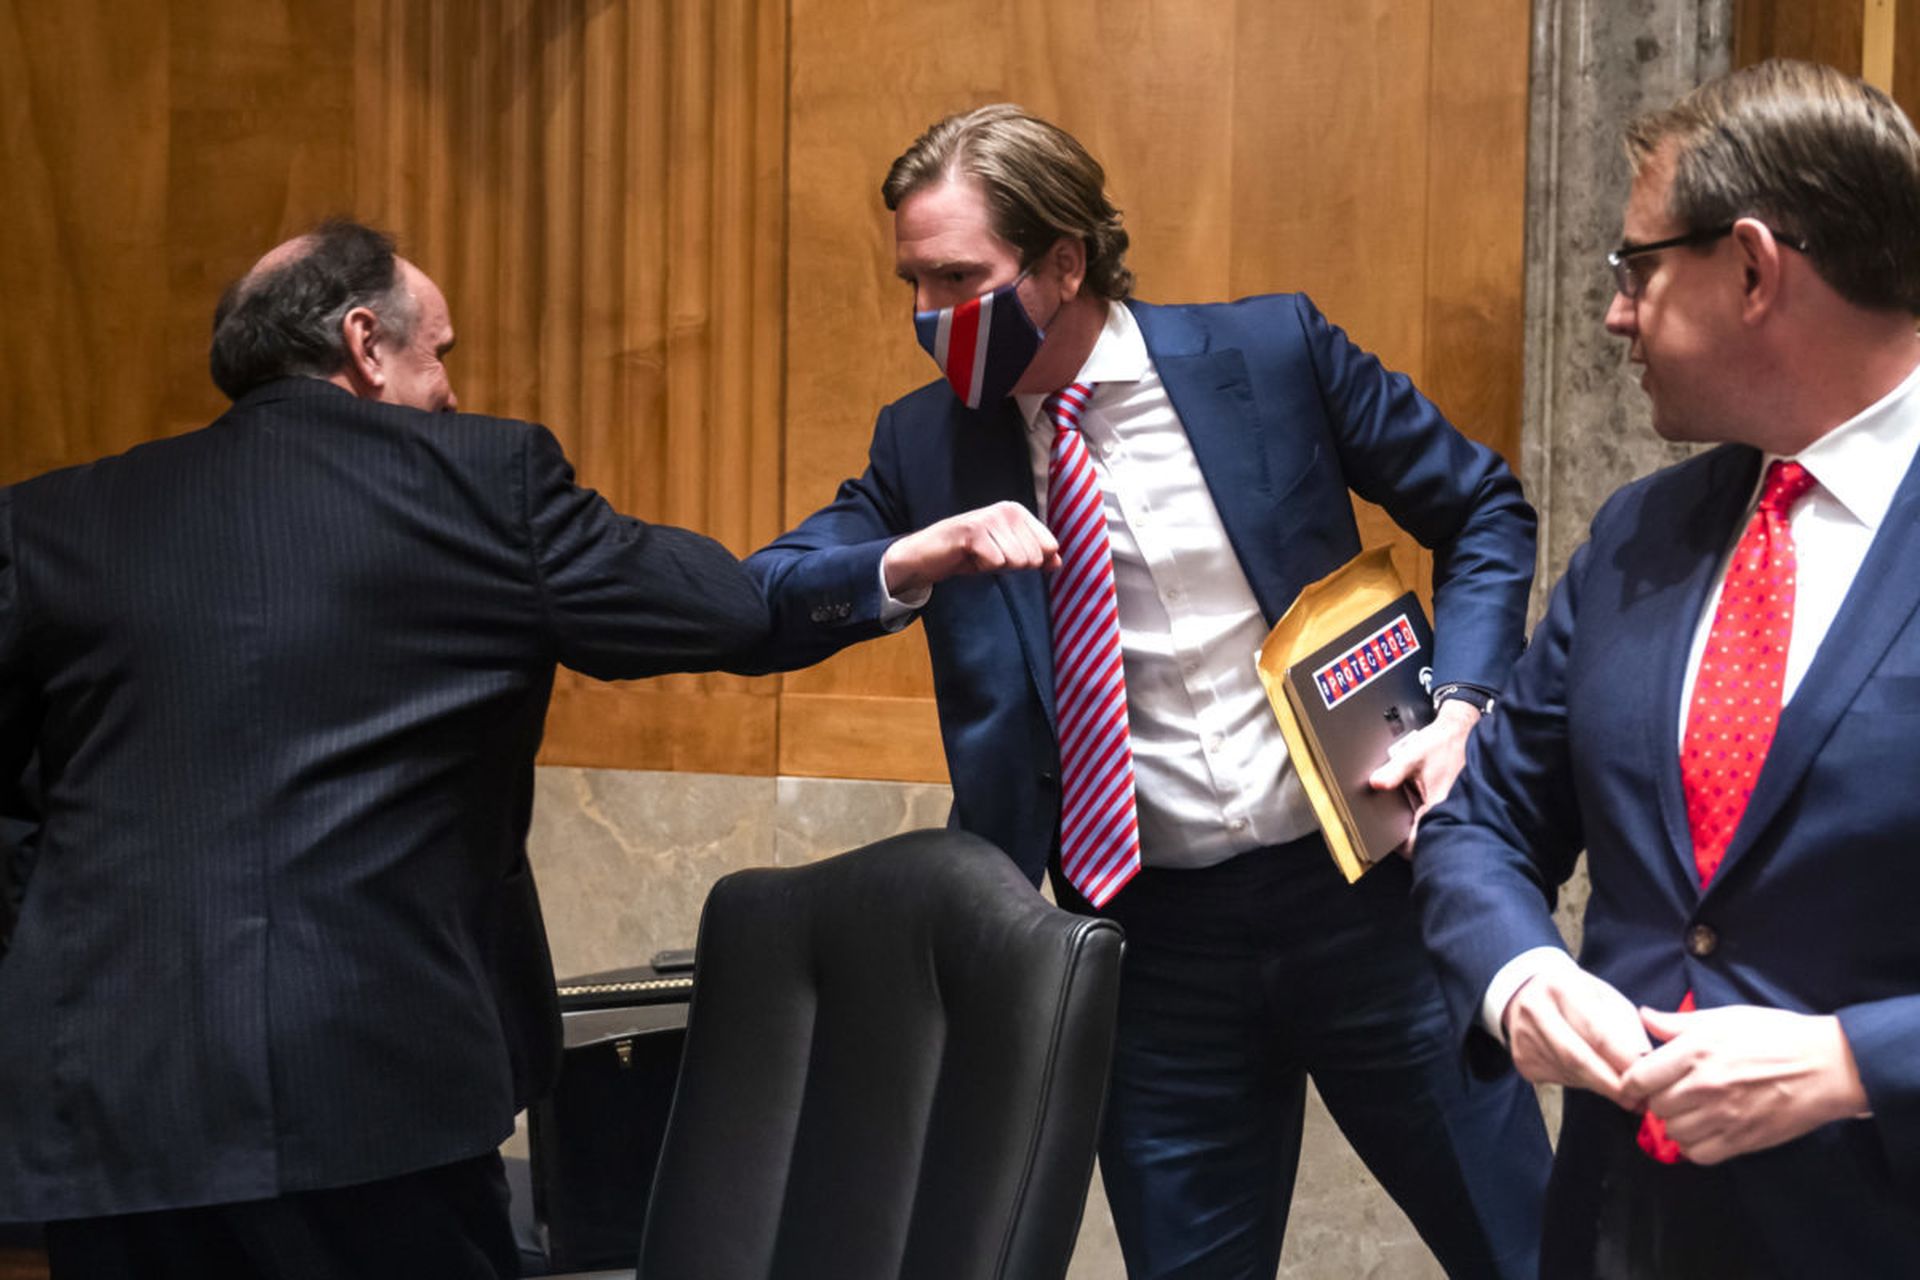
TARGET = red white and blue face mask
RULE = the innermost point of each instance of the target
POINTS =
(983, 345)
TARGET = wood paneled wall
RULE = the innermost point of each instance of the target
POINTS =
(1371, 153)
(599, 186)
(1833, 32)
(151, 150)
(1826, 31)
(658, 225)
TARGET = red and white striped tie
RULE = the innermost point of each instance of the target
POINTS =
(1099, 830)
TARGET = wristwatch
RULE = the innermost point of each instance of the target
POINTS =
(1480, 699)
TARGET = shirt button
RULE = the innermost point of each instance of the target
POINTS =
(1238, 824)
(1213, 742)
(1701, 940)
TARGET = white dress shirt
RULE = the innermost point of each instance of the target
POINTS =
(1211, 772)
(1858, 465)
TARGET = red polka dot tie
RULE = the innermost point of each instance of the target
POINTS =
(1099, 829)
(1736, 696)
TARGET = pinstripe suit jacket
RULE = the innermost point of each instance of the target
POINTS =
(286, 676)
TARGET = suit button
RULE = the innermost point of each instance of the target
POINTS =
(1701, 940)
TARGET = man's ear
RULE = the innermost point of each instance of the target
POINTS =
(365, 360)
(1760, 268)
(1067, 260)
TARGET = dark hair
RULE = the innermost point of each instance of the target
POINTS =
(1814, 153)
(285, 321)
(1039, 182)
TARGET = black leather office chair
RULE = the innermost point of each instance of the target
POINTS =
(895, 1064)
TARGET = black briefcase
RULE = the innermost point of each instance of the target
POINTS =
(595, 1139)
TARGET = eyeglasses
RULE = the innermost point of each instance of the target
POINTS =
(1630, 278)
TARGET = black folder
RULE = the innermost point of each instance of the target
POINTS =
(1354, 696)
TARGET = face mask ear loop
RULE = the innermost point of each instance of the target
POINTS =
(1013, 286)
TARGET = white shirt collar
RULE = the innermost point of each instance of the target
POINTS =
(1862, 461)
(1119, 355)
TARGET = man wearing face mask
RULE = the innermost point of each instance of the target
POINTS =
(1098, 514)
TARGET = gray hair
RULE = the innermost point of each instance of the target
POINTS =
(285, 320)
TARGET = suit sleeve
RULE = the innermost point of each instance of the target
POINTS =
(624, 598)
(821, 580)
(1495, 852)
(1884, 1036)
(1458, 498)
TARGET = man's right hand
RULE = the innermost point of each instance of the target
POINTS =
(991, 539)
(1565, 1026)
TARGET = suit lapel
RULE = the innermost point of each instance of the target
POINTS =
(1705, 534)
(1213, 396)
(993, 465)
(1877, 607)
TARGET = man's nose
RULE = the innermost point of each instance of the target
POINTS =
(1621, 316)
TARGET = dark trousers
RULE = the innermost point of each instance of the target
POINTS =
(1242, 980)
(448, 1223)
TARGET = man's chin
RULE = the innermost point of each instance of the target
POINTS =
(1680, 430)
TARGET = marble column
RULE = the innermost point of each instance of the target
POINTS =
(1596, 64)
(1586, 429)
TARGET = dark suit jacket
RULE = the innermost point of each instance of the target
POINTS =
(1812, 907)
(286, 676)
(1284, 414)
(19, 832)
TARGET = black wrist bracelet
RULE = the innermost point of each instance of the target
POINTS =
(1473, 695)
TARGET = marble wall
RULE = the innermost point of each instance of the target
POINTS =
(1596, 64)
(1586, 429)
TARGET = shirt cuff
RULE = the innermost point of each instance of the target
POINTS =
(1511, 977)
(896, 611)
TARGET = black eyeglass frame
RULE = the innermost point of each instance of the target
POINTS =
(1630, 286)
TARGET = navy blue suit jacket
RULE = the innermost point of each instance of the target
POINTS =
(1812, 908)
(285, 677)
(1284, 413)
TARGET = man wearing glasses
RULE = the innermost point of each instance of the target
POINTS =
(1721, 708)
(1111, 726)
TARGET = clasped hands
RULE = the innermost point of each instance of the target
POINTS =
(1726, 1081)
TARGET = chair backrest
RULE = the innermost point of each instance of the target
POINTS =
(895, 1064)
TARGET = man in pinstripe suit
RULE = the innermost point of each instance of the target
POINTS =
(279, 980)
(19, 824)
